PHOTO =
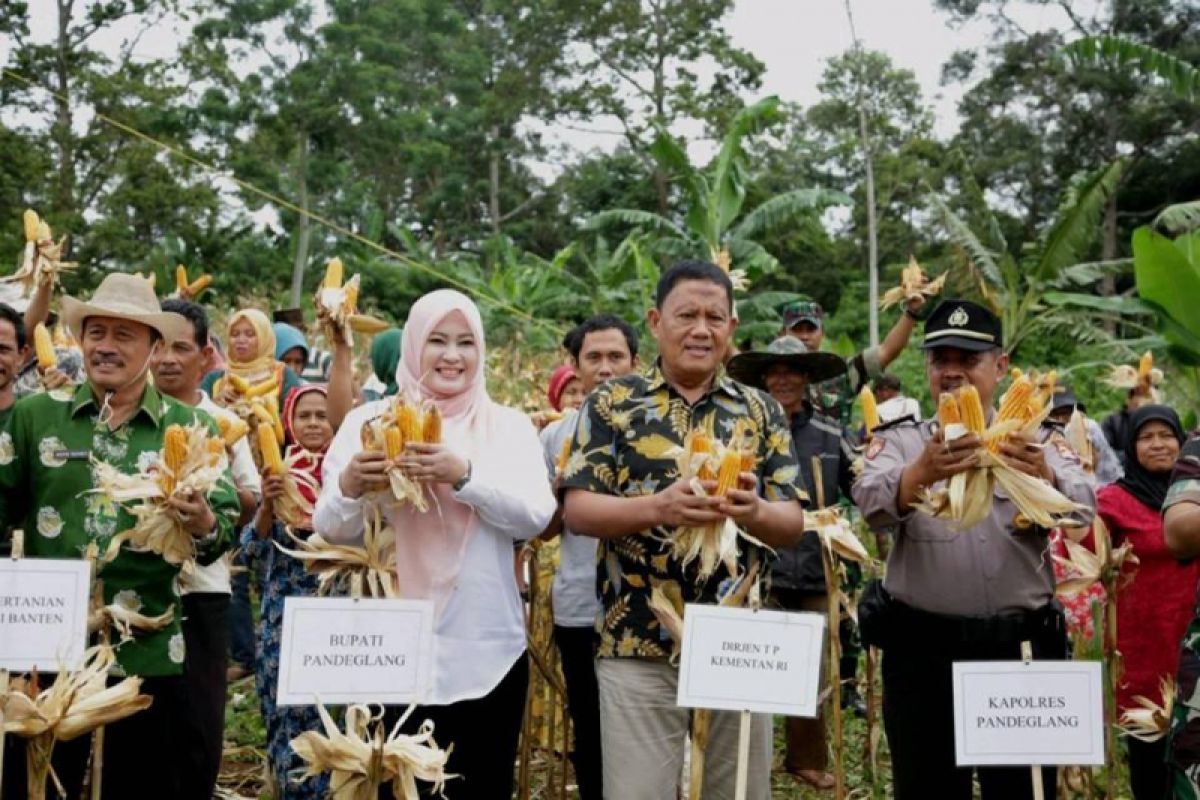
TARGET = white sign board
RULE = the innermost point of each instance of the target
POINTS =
(740, 659)
(1020, 713)
(346, 650)
(43, 613)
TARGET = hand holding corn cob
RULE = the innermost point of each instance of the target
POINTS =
(337, 307)
(41, 258)
(403, 425)
(914, 285)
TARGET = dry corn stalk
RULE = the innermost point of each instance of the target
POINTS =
(1103, 566)
(361, 761)
(1151, 721)
(75, 704)
(967, 499)
(914, 283)
(367, 570)
(704, 459)
(403, 423)
(337, 306)
(191, 463)
(41, 259)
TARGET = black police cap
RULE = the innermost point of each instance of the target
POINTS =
(962, 324)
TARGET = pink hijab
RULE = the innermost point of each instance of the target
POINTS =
(430, 547)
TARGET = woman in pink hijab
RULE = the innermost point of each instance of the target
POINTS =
(488, 480)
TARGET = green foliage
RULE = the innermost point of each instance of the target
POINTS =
(1181, 77)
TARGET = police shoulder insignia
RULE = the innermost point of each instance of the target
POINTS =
(875, 447)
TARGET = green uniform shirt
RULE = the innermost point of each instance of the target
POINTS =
(623, 446)
(46, 474)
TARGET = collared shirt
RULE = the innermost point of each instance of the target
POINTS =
(1185, 480)
(835, 397)
(29, 380)
(630, 431)
(46, 472)
(215, 577)
(989, 569)
(573, 595)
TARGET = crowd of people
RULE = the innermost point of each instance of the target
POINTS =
(599, 471)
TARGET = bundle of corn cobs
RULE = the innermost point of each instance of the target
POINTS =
(403, 423)
(186, 288)
(967, 500)
(190, 463)
(41, 260)
(292, 508)
(75, 704)
(337, 306)
(363, 760)
(254, 405)
(1143, 379)
(365, 571)
(703, 458)
(914, 283)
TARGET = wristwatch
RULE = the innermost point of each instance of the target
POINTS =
(461, 483)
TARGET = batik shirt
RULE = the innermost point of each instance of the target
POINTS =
(46, 452)
(1184, 748)
(630, 433)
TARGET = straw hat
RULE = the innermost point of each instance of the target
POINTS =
(751, 368)
(123, 296)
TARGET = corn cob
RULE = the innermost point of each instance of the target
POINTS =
(333, 274)
(870, 409)
(409, 420)
(727, 474)
(181, 278)
(367, 325)
(175, 447)
(239, 384)
(43, 345)
(393, 442)
(232, 429)
(971, 409)
(268, 448)
(32, 224)
(749, 461)
(259, 389)
(1144, 366)
(1016, 400)
(216, 448)
(431, 428)
(351, 298)
(44, 232)
(199, 285)
(948, 413)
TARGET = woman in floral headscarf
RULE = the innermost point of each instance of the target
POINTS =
(488, 490)
(308, 435)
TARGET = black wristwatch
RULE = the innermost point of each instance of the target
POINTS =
(461, 483)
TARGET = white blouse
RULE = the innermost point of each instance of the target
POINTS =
(481, 632)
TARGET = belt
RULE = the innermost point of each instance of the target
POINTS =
(1010, 628)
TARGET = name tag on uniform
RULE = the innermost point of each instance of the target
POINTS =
(72, 455)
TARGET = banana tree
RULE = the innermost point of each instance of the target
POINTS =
(1182, 78)
(715, 218)
(1016, 287)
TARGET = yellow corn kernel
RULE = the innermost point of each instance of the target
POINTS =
(232, 429)
(216, 448)
(43, 233)
(43, 345)
(1015, 400)
(749, 461)
(333, 274)
(408, 418)
(971, 409)
(393, 442)
(174, 453)
(32, 223)
(199, 285)
(181, 278)
(350, 301)
(268, 448)
(431, 428)
(870, 408)
(948, 412)
(367, 325)
(1145, 365)
(239, 384)
(259, 389)
(727, 475)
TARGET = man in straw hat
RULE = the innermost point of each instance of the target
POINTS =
(46, 453)
(953, 593)
(785, 370)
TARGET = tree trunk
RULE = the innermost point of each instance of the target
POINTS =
(304, 226)
(872, 228)
(494, 180)
(60, 130)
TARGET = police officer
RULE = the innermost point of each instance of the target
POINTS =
(956, 595)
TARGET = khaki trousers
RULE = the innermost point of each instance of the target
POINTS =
(644, 737)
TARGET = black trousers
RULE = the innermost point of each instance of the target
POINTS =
(577, 648)
(485, 733)
(918, 717)
(1147, 769)
(202, 728)
(141, 752)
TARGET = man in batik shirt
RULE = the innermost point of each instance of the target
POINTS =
(1181, 526)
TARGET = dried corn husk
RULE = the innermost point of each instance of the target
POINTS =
(914, 283)
(1145, 378)
(404, 422)
(361, 761)
(337, 306)
(75, 704)
(41, 259)
(368, 570)
(126, 620)
(144, 495)
(967, 497)
(1086, 567)
(293, 508)
(1152, 721)
(1077, 437)
(836, 533)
